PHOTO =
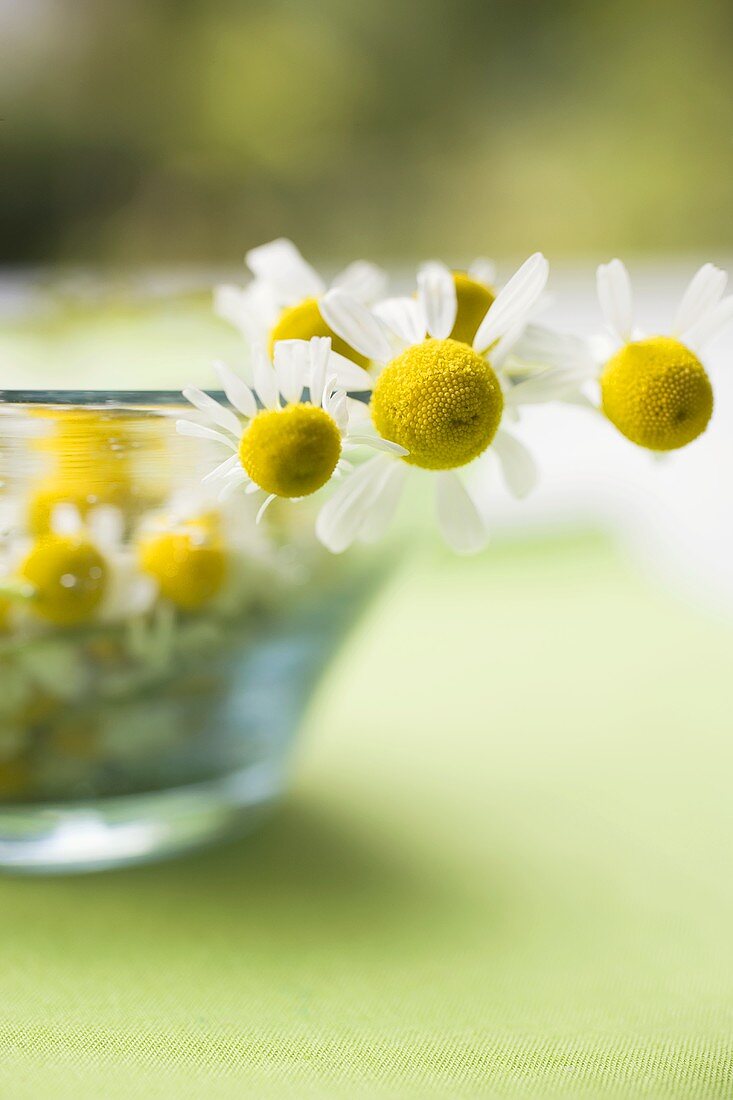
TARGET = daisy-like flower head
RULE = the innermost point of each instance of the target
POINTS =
(283, 300)
(79, 571)
(282, 445)
(186, 556)
(441, 399)
(654, 389)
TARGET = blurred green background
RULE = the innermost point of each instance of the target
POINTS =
(184, 130)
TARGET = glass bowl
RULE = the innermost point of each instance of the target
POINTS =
(157, 646)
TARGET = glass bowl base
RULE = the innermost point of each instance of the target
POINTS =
(73, 837)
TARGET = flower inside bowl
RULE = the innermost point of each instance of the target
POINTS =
(157, 645)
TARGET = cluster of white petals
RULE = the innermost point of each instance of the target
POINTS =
(530, 363)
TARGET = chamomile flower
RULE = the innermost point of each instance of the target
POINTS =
(281, 445)
(79, 571)
(189, 564)
(184, 550)
(443, 400)
(654, 389)
(283, 301)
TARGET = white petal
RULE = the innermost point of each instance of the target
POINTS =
(539, 346)
(198, 431)
(336, 407)
(363, 281)
(348, 510)
(367, 439)
(354, 323)
(580, 399)
(65, 520)
(234, 472)
(228, 302)
(514, 302)
(232, 484)
(437, 295)
(517, 464)
(481, 479)
(505, 345)
(225, 418)
(601, 348)
(264, 379)
(483, 271)
(458, 518)
(405, 317)
(281, 265)
(140, 596)
(713, 323)
(240, 308)
(222, 470)
(702, 295)
(129, 593)
(381, 512)
(331, 393)
(319, 351)
(107, 526)
(553, 384)
(264, 506)
(359, 415)
(349, 375)
(238, 392)
(615, 297)
(291, 361)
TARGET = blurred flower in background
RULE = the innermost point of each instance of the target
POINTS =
(176, 130)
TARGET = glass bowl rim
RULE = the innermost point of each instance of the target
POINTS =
(140, 402)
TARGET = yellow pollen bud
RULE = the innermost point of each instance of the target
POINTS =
(439, 400)
(291, 452)
(69, 578)
(474, 300)
(657, 394)
(188, 567)
(303, 321)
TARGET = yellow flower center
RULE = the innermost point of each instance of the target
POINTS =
(188, 567)
(68, 576)
(303, 321)
(657, 393)
(474, 300)
(291, 452)
(439, 400)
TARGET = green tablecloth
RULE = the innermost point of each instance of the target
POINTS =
(505, 867)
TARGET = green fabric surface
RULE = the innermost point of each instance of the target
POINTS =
(504, 868)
